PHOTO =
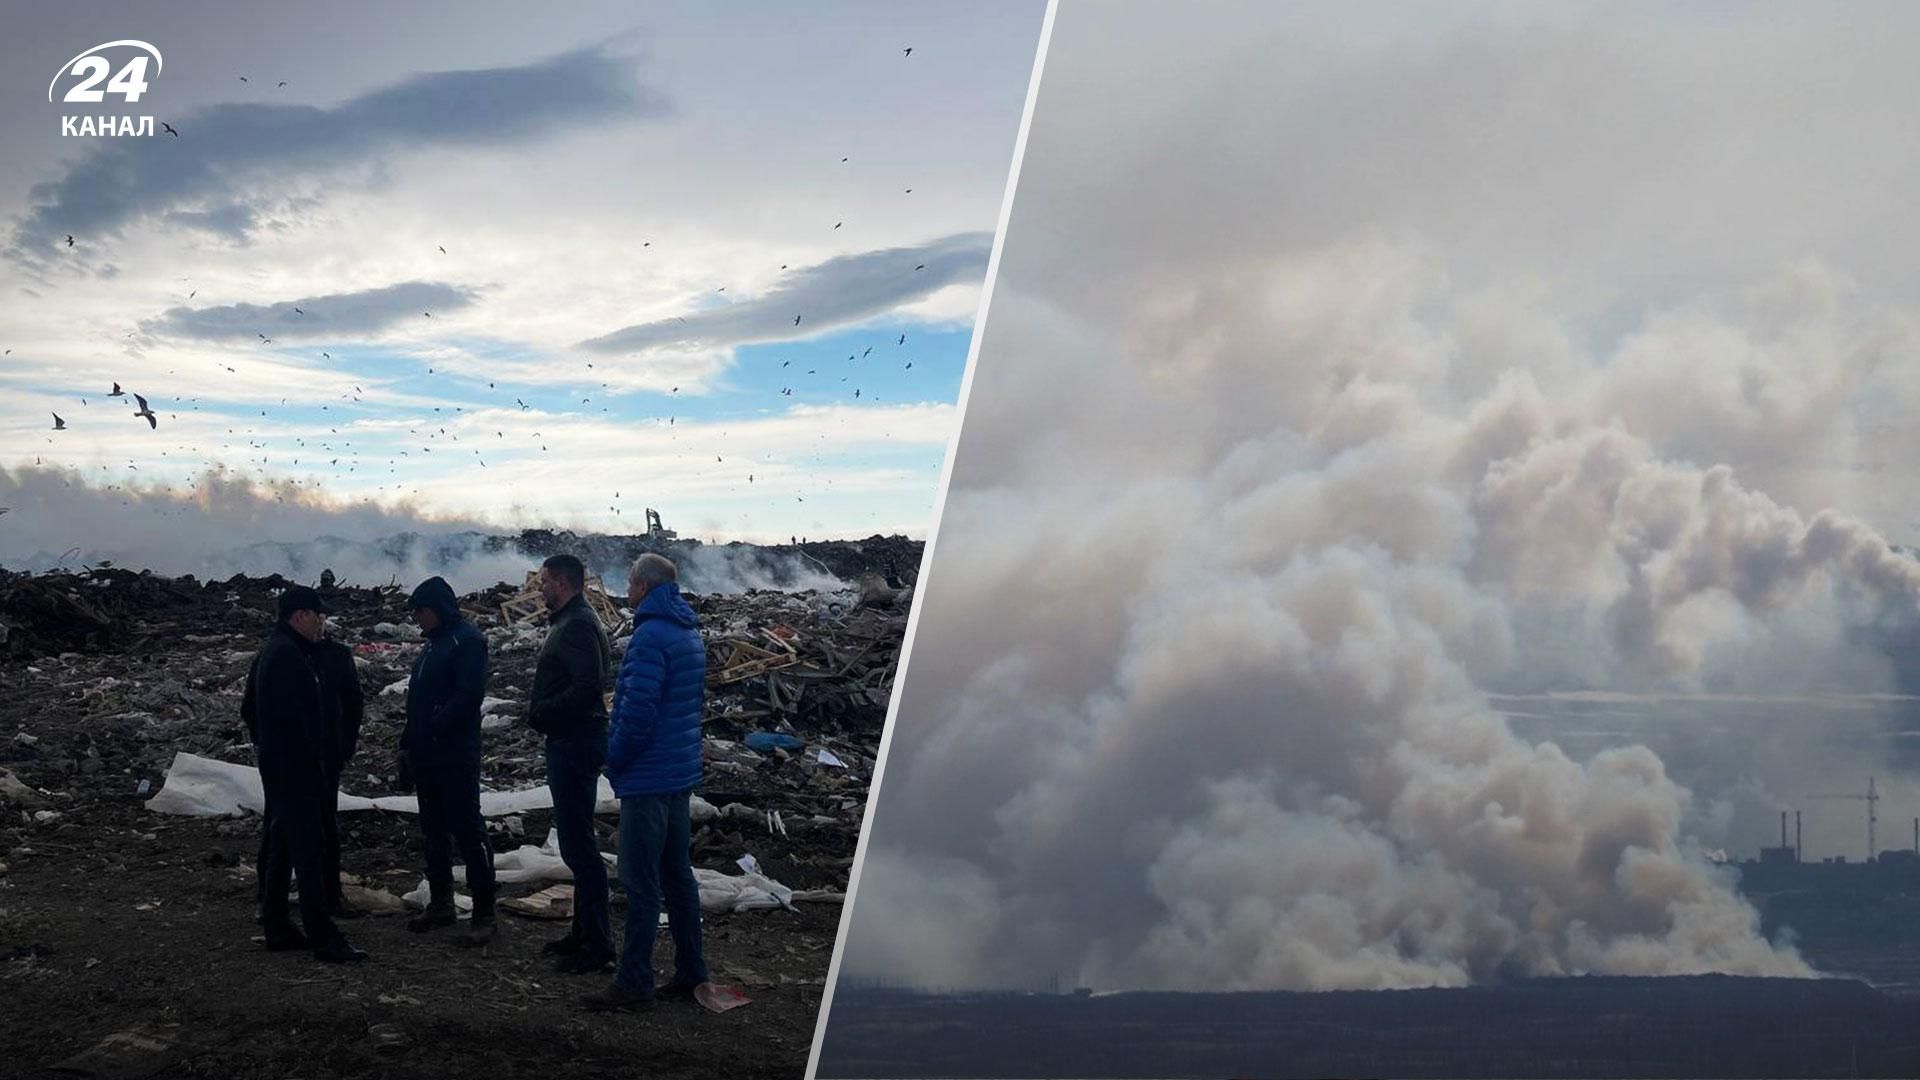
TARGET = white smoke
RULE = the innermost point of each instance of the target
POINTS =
(227, 524)
(1217, 717)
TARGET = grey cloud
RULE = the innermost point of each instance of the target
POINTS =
(333, 315)
(839, 291)
(201, 178)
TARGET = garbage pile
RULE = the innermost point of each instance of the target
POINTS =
(108, 676)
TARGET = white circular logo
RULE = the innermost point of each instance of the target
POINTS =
(92, 68)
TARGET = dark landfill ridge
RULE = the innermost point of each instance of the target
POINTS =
(128, 946)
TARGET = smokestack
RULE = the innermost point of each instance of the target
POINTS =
(1783, 828)
(1796, 834)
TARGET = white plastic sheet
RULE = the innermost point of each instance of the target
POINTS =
(718, 891)
(203, 787)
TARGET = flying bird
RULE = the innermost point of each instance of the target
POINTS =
(69, 239)
(443, 251)
(168, 128)
(297, 311)
(922, 266)
(243, 78)
(796, 320)
(117, 392)
(146, 412)
(59, 424)
(428, 314)
(283, 82)
(837, 224)
(909, 50)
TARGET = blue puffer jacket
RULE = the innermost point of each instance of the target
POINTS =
(448, 682)
(653, 735)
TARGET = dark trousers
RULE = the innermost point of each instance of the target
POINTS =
(294, 846)
(450, 817)
(330, 846)
(656, 865)
(573, 775)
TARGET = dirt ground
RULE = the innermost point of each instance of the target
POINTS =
(131, 934)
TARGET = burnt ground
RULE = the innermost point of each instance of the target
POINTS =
(117, 919)
(1705, 1026)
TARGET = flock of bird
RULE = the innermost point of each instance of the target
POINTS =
(327, 450)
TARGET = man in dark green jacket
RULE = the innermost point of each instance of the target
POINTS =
(568, 707)
(440, 754)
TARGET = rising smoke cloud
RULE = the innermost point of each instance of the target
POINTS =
(226, 523)
(1199, 696)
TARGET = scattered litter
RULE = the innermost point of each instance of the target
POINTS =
(719, 998)
(13, 790)
(552, 902)
(387, 1038)
(373, 901)
(396, 689)
(203, 787)
(44, 816)
(772, 740)
(136, 1052)
(748, 863)
(828, 757)
(417, 899)
(144, 788)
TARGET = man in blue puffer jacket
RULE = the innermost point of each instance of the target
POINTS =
(654, 763)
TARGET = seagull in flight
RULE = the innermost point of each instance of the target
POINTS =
(168, 128)
(117, 392)
(69, 239)
(796, 320)
(59, 424)
(146, 412)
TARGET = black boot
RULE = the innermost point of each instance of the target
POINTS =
(440, 911)
(480, 929)
(337, 950)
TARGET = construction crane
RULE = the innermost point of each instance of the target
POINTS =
(1872, 799)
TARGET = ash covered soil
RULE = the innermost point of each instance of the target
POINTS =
(130, 934)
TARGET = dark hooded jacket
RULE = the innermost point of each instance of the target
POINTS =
(571, 674)
(344, 699)
(448, 682)
(286, 714)
(653, 737)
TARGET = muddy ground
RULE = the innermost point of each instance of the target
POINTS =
(136, 928)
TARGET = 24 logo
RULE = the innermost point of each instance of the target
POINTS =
(130, 82)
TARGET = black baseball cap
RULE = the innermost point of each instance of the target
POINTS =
(301, 598)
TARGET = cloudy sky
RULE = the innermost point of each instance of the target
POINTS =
(1426, 365)
(508, 266)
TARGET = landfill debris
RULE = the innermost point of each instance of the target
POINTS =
(827, 757)
(526, 606)
(417, 899)
(16, 793)
(772, 740)
(132, 1054)
(719, 998)
(156, 693)
(748, 863)
(387, 1038)
(203, 787)
(552, 902)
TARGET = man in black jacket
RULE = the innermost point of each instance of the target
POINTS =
(284, 708)
(346, 706)
(567, 706)
(343, 705)
(440, 754)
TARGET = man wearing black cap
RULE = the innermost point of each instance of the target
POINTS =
(285, 709)
(440, 751)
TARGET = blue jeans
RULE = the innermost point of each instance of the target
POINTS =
(573, 775)
(656, 864)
